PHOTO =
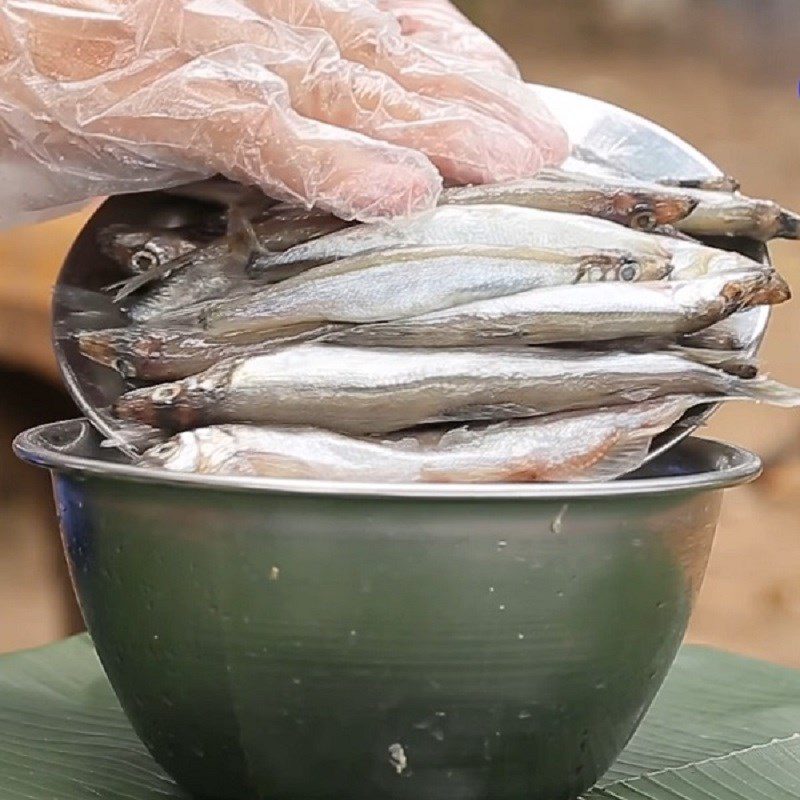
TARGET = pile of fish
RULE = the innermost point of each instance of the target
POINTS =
(546, 329)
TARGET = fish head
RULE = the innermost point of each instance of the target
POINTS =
(647, 211)
(180, 454)
(176, 406)
(120, 242)
(625, 266)
(128, 350)
(140, 250)
(764, 287)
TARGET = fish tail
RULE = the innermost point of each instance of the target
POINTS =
(764, 390)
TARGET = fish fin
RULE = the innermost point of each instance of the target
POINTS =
(242, 237)
(764, 390)
(631, 447)
(626, 455)
(150, 276)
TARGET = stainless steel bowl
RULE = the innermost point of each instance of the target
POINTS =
(294, 639)
(616, 138)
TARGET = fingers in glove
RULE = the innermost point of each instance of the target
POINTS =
(440, 25)
(226, 112)
(466, 146)
(368, 36)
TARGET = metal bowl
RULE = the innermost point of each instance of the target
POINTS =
(295, 639)
(617, 138)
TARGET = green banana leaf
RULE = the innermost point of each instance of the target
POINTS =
(722, 728)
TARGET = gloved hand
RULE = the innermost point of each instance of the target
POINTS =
(358, 106)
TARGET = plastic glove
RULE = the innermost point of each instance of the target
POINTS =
(323, 102)
(438, 24)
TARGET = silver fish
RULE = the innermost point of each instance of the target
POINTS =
(720, 214)
(642, 209)
(503, 225)
(223, 265)
(497, 225)
(576, 446)
(356, 390)
(138, 250)
(150, 353)
(714, 212)
(582, 314)
(410, 281)
(585, 159)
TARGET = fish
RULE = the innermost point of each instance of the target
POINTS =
(138, 250)
(736, 215)
(150, 353)
(502, 225)
(489, 224)
(641, 209)
(585, 159)
(378, 390)
(581, 313)
(221, 266)
(207, 279)
(409, 281)
(715, 209)
(599, 444)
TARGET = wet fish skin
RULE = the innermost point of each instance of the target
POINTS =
(488, 225)
(579, 314)
(149, 353)
(511, 226)
(198, 275)
(595, 445)
(366, 390)
(207, 279)
(409, 281)
(640, 209)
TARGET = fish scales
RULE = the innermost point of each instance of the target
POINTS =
(376, 390)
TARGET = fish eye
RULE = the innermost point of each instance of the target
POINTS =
(165, 394)
(643, 218)
(629, 271)
(144, 259)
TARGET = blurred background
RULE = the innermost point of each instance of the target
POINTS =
(723, 74)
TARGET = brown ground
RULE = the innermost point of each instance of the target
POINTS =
(722, 75)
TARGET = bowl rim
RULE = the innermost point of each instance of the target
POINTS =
(736, 466)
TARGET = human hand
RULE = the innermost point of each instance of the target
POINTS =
(357, 106)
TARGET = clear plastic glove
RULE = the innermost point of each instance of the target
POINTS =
(357, 106)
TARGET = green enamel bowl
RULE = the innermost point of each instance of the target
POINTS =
(297, 640)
